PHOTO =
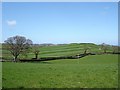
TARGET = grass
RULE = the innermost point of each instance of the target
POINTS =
(98, 71)
(54, 51)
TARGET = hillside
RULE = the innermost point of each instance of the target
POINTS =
(98, 71)
(56, 50)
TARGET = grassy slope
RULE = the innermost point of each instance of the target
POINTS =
(99, 71)
(60, 50)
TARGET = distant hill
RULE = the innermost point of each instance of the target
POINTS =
(53, 50)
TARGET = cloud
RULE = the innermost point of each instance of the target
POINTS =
(106, 8)
(11, 22)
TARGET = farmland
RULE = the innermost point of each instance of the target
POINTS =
(92, 71)
(57, 50)
(97, 71)
(53, 45)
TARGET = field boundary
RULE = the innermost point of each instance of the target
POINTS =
(56, 58)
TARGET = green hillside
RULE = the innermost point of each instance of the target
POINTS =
(56, 50)
(97, 71)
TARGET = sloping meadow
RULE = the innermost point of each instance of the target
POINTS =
(97, 71)
(55, 51)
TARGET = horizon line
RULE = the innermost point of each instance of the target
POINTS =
(71, 43)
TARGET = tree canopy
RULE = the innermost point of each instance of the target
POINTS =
(18, 44)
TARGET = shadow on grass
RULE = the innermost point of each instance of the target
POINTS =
(21, 87)
(3, 79)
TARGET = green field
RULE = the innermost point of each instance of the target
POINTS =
(97, 71)
(56, 50)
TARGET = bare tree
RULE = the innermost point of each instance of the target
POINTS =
(17, 45)
(25, 53)
(115, 49)
(86, 48)
(36, 51)
(104, 47)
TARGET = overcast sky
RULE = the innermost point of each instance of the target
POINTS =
(94, 22)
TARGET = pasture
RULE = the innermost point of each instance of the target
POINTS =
(56, 50)
(97, 71)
